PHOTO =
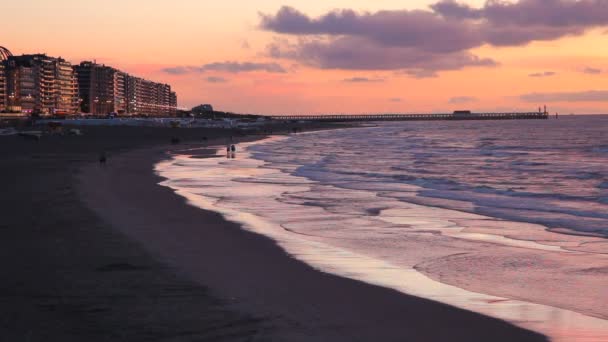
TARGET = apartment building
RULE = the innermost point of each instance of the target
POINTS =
(96, 88)
(149, 98)
(40, 85)
(105, 90)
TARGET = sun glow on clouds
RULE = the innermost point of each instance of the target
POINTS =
(344, 56)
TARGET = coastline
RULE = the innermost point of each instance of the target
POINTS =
(257, 278)
(245, 191)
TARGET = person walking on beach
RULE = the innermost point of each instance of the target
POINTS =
(102, 158)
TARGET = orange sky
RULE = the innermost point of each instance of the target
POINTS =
(144, 37)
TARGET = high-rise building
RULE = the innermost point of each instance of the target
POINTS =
(105, 90)
(20, 86)
(66, 89)
(149, 98)
(96, 89)
(173, 104)
(120, 95)
(42, 85)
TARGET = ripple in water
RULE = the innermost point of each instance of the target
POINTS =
(422, 207)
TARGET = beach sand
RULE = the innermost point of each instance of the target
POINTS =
(96, 253)
(68, 276)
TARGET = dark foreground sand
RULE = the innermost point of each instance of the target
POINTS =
(93, 253)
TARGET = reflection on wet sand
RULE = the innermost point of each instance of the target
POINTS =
(341, 241)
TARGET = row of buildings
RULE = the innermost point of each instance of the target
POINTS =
(41, 85)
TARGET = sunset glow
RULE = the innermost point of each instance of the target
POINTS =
(263, 57)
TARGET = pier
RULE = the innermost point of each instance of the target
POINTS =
(416, 117)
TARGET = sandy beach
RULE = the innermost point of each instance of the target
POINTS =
(105, 253)
(69, 276)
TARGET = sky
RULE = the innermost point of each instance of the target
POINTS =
(322, 56)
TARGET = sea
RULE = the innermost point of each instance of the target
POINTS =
(505, 218)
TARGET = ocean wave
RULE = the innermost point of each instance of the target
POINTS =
(585, 175)
(600, 149)
(527, 163)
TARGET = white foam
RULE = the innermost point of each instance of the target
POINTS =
(274, 204)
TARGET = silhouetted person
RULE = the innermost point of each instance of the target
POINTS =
(102, 158)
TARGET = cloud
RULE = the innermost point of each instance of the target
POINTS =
(421, 73)
(529, 13)
(387, 28)
(236, 67)
(592, 71)
(230, 67)
(543, 74)
(521, 22)
(354, 53)
(179, 70)
(453, 9)
(582, 96)
(362, 80)
(216, 79)
(462, 99)
(347, 39)
(395, 99)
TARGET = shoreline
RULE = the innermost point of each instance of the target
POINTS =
(188, 176)
(327, 306)
(72, 277)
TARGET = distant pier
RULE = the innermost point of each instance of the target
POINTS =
(416, 117)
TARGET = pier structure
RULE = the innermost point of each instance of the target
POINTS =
(416, 117)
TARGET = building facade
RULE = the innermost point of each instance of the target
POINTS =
(40, 85)
(66, 89)
(120, 93)
(105, 90)
(3, 97)
(96, 88)
(149, 98)
(4, 55)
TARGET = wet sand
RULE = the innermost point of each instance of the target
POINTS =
(330, 239)
(253, 277)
